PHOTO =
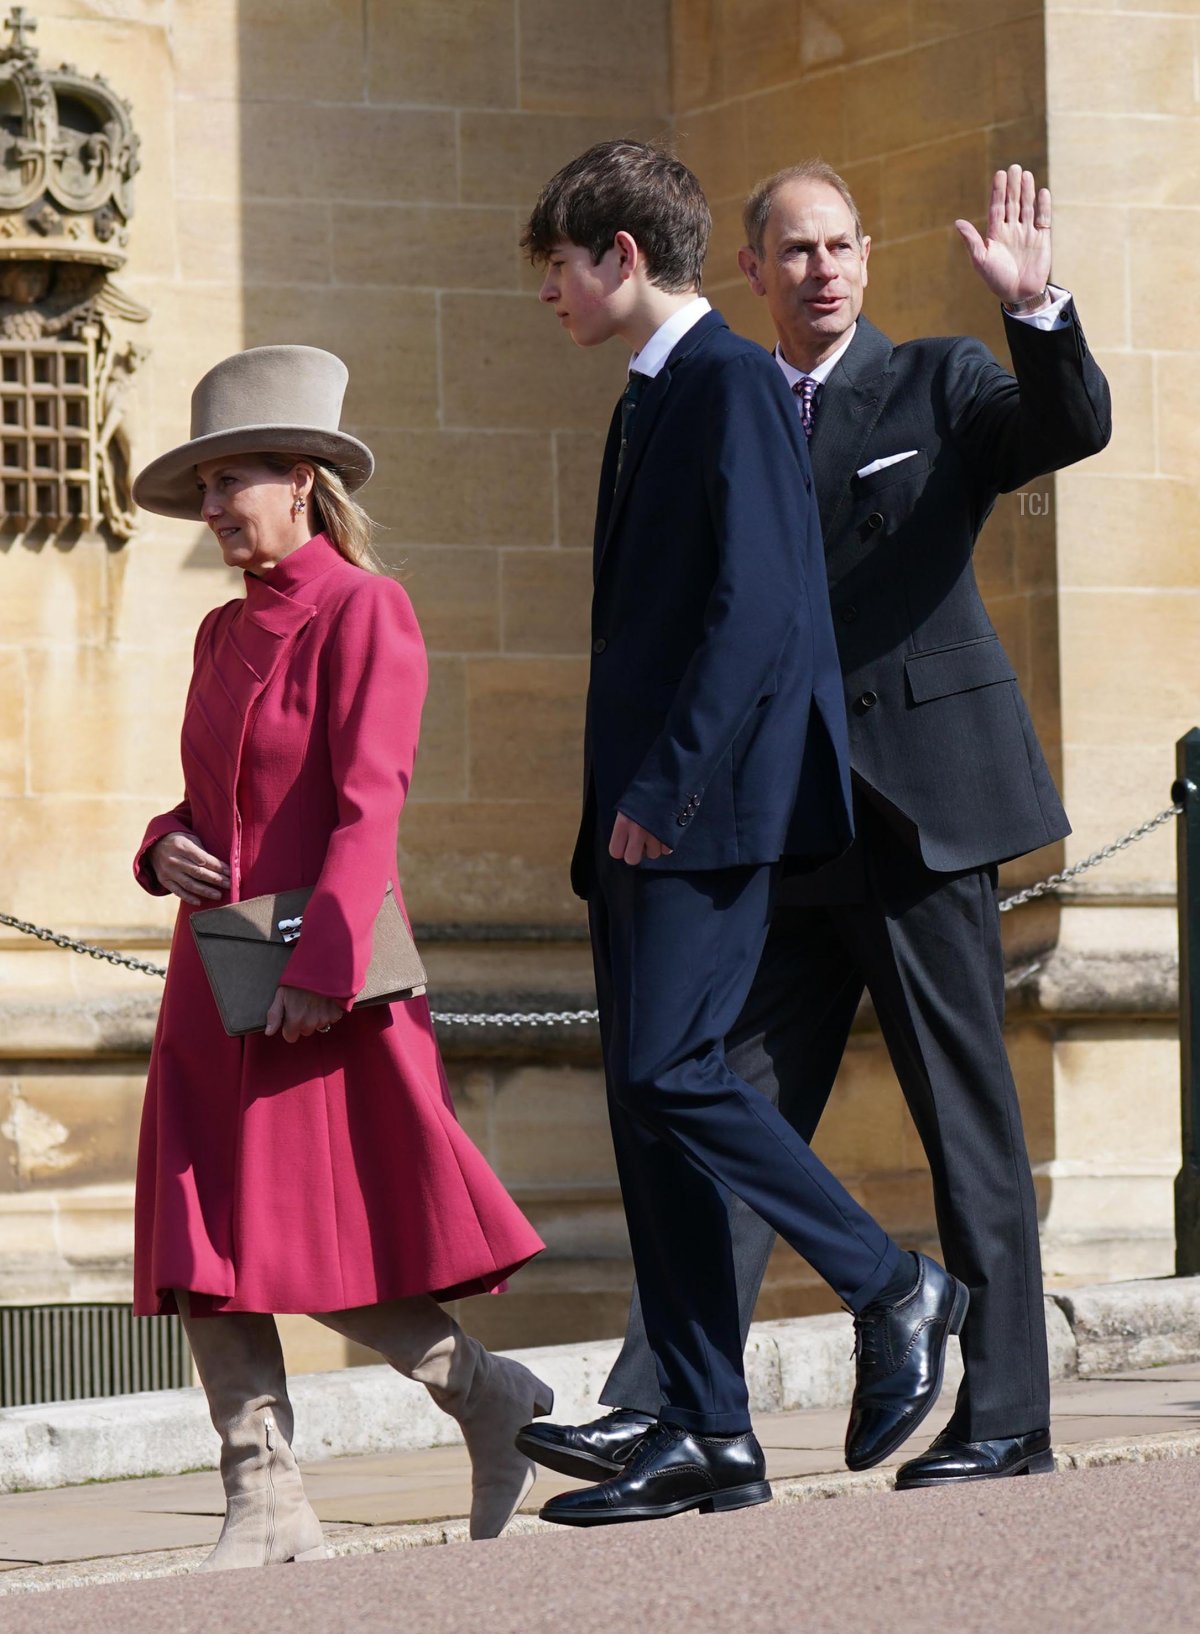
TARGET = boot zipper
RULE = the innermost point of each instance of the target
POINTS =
(269, 1427)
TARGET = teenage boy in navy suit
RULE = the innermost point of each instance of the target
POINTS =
(715, 751)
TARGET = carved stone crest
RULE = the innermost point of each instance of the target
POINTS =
(68, 156)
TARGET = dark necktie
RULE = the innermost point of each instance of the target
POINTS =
(635, 385)
(806, 390)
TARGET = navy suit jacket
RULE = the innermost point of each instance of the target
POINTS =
(715, 713)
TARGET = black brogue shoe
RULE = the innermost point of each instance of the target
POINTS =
(950, 1459)
(671, 1470)
(587, 1451)
(900, 1357)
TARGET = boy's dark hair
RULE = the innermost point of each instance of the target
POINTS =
(628, 187)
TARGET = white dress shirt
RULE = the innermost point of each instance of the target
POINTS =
(1053, 316)
(823, 370)
(654, 354)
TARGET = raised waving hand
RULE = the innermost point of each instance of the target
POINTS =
(1014, 259)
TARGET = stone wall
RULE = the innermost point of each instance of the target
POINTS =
(1127, 185)
(353, 173)
(440, 121)
(94, 656)
(1124, 147)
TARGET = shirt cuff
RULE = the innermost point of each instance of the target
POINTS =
(1053, 316)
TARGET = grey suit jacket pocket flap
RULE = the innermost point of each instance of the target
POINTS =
(946, 670)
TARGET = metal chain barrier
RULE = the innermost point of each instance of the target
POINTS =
(516, 1018)
(72, 946)
(585, 1018)
(1031, 892)
(446, 1018)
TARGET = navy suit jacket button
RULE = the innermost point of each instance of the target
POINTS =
(599, 644)
(868, 701)
(875, 520)
(849, 614)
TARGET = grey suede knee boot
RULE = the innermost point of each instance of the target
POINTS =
(267, 1517)
(492, 1397)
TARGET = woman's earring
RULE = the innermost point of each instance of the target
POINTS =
(299, 504)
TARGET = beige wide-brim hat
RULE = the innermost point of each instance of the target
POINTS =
(268, 400)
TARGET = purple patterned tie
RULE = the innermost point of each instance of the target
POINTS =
(806, 391)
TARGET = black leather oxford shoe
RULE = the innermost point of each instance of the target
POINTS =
(900, 1356)
(671, 1470)
(587, 1451)
(949, 1460)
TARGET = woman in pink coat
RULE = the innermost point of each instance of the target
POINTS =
(317, 1166)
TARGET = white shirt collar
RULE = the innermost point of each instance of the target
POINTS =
(822, 371)
(654, 354)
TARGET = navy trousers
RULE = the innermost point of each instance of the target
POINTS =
(927, 946)
(675, 957)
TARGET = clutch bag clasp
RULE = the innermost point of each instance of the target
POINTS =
(290, 928)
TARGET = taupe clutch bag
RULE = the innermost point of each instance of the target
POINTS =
(245, 948)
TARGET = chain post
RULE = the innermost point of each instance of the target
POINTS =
(1186, 791)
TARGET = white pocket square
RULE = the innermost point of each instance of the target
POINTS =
(890, 459)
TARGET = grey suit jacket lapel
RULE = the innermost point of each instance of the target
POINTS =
(850, 404)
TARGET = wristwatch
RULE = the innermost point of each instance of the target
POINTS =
(1031, 303)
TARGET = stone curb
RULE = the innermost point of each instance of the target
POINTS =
(1119, 1326)
(345, 1542)
(791, 1366)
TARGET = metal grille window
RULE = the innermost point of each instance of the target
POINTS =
(69, 1352)
(47, 434)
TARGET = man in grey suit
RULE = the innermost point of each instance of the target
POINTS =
(910, 447)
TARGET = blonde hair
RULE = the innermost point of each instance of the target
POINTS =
(337, 514)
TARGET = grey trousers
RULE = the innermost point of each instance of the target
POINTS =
(927, 947)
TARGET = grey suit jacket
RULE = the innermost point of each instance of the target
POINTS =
(939, 732)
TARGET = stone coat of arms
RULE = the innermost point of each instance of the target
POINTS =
(68, 156)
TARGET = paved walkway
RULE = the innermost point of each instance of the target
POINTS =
(1105, 1551)
(121, 1530)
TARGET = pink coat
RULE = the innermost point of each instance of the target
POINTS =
(332, 1172)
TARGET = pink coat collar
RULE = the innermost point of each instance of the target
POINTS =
(295, 572)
